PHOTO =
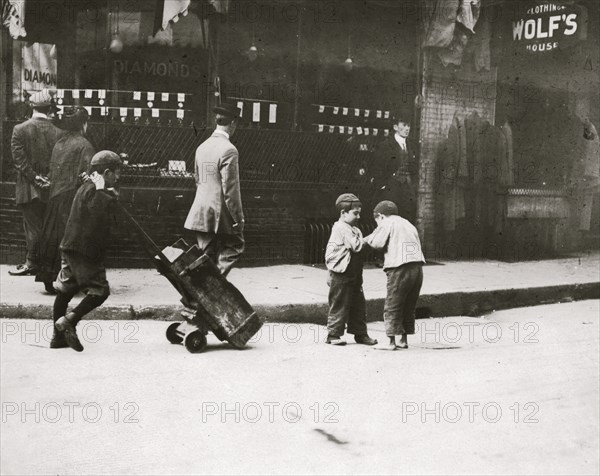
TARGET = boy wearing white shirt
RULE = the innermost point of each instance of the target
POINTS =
(344, 262)
(403, 264)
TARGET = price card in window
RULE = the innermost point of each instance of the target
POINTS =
(88, 93)
(137, 111)
(272, 113)
(155, 112)
(367, 113)
(366, 131)
(345, 111)
(321, 109)
(101, 93)
(164, 97)
(180, 97)
(321, 127)
(331, 128)
(256, 112)
(336, 110)
(104, 111)
(75, 93)
(378, 114)
(150, 96)
(180, 113)
(137, 95)
(341, 129)
(122, 111)
(357, 112)
(375, 132)
(350, 129)
(240, 105)
(359, 130)
(60, 93)
(387, 114)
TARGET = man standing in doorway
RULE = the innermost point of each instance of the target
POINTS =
(216, 215)
(31, 145)
(395, 174)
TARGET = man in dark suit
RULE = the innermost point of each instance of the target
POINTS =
(31, 145)
(216, 216)
(395, 170)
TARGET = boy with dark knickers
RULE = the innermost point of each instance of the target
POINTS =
(83, 249)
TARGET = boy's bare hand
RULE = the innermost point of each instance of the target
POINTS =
(98, 180)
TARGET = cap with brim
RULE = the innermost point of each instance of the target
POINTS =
(106, 158)
(41, 98)
(347, 197)
(228, 110)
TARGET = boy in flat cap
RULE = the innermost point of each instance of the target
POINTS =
(344, 262)
(31, 145)
(216, 216)
(84, 248)
(403, 264)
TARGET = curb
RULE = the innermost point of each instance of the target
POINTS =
(473, 303)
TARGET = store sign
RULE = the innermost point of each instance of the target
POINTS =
(547, 26)
(39, 67)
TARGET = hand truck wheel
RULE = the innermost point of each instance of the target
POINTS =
(173, 335)
(195, 342)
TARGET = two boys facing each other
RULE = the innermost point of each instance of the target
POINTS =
(403, 264)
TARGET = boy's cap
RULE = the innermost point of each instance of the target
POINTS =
(347, 197)
(41, 98)
(106, 158)
(386, 208)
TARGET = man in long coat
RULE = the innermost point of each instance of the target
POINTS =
(395, 171)
(216, 215)
(31, 145)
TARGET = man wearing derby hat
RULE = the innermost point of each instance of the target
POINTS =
(31, 145)
(216, 215)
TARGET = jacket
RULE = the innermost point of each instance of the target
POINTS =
(31, 146)
(217, 205)
(88, 227)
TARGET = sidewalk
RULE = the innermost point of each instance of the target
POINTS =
(298, 293)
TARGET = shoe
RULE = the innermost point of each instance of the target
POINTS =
(402, 345)
(58, 340)
(69, 333)
(49, 287)
(24, 270)
(333, 340)
(365, 339)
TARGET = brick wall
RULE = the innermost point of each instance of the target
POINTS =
(446, 92)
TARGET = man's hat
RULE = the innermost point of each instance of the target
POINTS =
(106, 158)
(73, 118)
(386, 208)
(227, 109)
(347, 197)
(41, 98)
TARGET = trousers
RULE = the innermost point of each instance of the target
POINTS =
(223, 249)
(403, 288)
(33, 219)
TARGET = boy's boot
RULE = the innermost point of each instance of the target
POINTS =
(66, 325)
(335, 340)
(58, 340)
(364, 339)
